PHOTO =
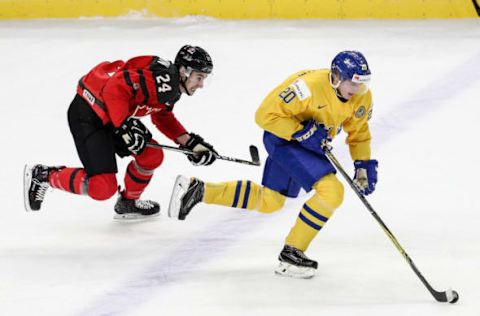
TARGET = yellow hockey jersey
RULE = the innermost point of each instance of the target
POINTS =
(308, 95)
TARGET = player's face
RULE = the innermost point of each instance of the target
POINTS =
(195, 81)
(348, 89)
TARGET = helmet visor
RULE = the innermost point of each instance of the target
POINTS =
(198, 79)
(362, 81)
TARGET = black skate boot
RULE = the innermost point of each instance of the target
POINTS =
(187, 192)
(35, 185)
(134, 209)
(294, 263)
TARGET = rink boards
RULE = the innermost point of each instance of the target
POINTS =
(243, 9)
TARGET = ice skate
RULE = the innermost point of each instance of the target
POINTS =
(135, 209)
(295, 264)
(35, 185)
(187, 192)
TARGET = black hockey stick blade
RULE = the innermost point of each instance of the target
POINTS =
(450, 296)
(255, 156)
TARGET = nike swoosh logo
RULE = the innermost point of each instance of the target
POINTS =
(321, 107)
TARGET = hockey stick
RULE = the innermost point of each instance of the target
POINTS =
(449, 295)
(253, 154)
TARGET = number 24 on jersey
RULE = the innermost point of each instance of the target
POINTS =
(162, 84)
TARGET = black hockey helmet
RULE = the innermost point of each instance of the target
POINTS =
(194, 58)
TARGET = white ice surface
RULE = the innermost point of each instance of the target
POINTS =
(73, 259)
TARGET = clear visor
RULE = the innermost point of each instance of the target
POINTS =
(358, 85)
(362, 82)
(198, 78)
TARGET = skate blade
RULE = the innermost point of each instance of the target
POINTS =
(179, 189)
(134, 217)
(27, 180)
(292, 271)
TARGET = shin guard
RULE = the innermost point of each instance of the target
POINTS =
(316, 212)
(75, 180)
(136, 180)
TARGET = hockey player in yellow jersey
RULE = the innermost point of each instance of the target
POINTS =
(300, 116)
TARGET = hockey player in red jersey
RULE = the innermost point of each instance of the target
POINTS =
(104, 121)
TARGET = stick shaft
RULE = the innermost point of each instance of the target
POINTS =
(439, 296)
(190, 152)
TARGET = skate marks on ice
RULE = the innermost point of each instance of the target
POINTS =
(191, 253)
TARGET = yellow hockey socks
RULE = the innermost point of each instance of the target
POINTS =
(243, 194)
(316, 212)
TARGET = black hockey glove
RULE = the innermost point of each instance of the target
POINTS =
(133, 135)
(204, 153)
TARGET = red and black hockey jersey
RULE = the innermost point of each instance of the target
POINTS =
(144, 85)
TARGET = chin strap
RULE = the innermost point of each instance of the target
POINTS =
(182, 82)
(187, 73)
(335, 88)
